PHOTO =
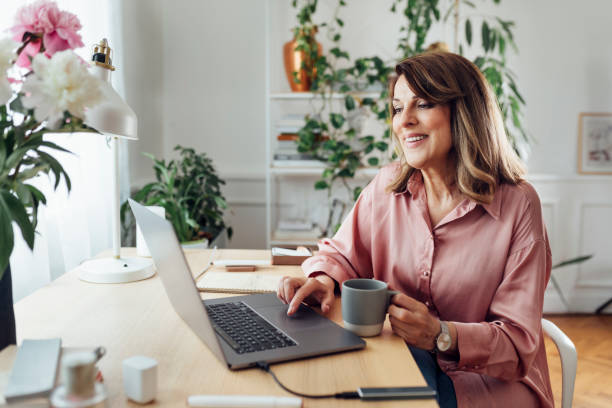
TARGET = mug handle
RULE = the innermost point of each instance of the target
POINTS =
(390, 294)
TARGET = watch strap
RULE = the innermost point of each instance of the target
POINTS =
(444, 331)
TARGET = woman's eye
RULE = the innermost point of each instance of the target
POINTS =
(425, 105)
(397, 109)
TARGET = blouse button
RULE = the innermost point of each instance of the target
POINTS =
(427, 303)
(426, 273)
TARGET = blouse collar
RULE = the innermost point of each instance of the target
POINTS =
(415, 183)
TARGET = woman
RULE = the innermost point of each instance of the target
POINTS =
(456, 229)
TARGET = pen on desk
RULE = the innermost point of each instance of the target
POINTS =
(208, 264)
(243, 401)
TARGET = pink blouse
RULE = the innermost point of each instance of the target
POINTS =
(483, 267)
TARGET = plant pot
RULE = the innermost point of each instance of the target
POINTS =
(293, 63)
(7, 314)
(197, 244)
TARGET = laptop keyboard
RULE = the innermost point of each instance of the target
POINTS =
(244, 330)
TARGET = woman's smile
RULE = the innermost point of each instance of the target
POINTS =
(414, 140)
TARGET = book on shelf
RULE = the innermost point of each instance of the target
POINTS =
(287, 136)
(294, 225)
(311, 234)
(295, 155)
(288, 129)
(315, 164)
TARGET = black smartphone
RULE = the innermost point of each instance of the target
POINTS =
(391, 393)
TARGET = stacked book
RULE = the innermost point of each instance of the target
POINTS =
(286, 153)
(296, 229)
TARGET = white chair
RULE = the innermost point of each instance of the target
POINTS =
(569, 358)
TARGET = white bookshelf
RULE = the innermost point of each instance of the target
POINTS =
(291, 187)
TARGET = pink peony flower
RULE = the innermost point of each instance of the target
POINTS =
(56, 29)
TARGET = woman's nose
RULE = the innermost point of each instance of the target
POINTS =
(408, 117)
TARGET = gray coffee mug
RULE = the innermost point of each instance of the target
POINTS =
(364, 305)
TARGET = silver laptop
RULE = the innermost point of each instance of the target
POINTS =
(239, 330)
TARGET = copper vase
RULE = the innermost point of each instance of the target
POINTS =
(293, 63)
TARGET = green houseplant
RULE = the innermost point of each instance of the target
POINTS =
(343, 149)
(189, 189)
(44, 88)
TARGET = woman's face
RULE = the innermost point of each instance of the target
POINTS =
(423, 128)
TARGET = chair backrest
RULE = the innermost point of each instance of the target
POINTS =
(569, 359)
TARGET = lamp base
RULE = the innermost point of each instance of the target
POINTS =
(112, 270)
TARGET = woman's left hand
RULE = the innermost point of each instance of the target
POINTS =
(411, 320)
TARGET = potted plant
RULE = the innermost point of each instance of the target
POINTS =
(190, 191)
(44, 88)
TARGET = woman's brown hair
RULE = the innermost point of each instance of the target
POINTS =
(483, 155)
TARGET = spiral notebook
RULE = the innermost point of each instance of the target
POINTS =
(238, 282)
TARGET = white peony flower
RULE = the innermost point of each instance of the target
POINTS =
(7, 54)
(60, 84)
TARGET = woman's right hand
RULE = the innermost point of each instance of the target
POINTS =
(314, 291)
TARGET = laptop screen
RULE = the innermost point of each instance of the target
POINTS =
(175, 275)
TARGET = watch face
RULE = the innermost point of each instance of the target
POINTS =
(443, 342)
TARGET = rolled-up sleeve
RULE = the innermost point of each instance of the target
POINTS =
(348, 254)
(505, 346)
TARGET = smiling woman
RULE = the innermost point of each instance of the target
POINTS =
(447, 89)
(457, 231)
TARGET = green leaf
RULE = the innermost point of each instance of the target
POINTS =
(57, 170)
(336, 37)
(485, 36)
(321, 185)
(349, 102)
(2, 153)
(356, 192)
(368, 102)
(502, 45)
(516, 92)
(366, 139)
(576, 260)
(6, 235)
(17, 106)
(16, 210)
(468, 31)
(336, 120)
(382, 146)
(373, 161)
(340, 22)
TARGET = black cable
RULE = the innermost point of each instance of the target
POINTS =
(340, 395)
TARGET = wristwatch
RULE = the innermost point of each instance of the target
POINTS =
(443, 339)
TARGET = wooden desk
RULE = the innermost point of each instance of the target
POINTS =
(137, 318)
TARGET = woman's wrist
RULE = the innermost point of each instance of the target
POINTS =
(325, 279)
(452, 331)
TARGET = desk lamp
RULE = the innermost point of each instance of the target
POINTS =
(115, 119)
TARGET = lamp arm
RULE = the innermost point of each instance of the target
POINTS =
(116, 199)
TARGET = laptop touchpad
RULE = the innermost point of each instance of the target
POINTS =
(303, 319)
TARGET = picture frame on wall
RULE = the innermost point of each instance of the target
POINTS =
(595, 143)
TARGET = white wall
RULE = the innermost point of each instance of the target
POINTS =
(201, 74)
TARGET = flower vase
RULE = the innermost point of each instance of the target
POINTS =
(293, 63)
(7, 313)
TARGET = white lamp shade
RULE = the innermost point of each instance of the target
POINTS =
(112, 116)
